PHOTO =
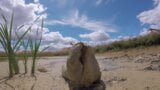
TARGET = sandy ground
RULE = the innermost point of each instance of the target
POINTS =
(137, 69)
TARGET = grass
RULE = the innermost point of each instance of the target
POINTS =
(10, 49)
(20, 55)
(34, 47)
(142, 41)
(25, 45)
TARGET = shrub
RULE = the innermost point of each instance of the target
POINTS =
(147, 40)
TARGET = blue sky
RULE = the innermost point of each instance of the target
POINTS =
(90, 21)
(120, 13)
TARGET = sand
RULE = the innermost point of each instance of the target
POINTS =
(124, 70)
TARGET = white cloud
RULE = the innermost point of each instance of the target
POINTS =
(98, 29)
(105, 2)
(96, 36)
(23, 13)
(56, 47)
(156, 2)
(98, 2)
(26, 14)
(55, 22)
(56, 41)
(36, 1)
(56, 37)
(152, 16)
(144, 32)
(95, 43)
(82, 21)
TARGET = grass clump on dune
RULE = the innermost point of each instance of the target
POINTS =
(34, 46)
(10, 49)
(142, 41)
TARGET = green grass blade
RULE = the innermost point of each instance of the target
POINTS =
(11, 26)
(20, 38)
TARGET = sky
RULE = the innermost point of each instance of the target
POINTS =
(94, 22)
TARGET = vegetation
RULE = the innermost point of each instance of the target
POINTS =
(142, 41)
(31, 47)
(20, 55)
(35, 48)
(25, 55)
(10, 49)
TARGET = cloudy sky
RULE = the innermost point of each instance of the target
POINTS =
(90, 21)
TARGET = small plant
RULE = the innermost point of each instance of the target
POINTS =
(8, 46)
(25, 54)
(12, 46)
(35, 49)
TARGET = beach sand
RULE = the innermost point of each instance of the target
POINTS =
(124, 70)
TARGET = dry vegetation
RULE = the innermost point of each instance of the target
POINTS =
(142, 41)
